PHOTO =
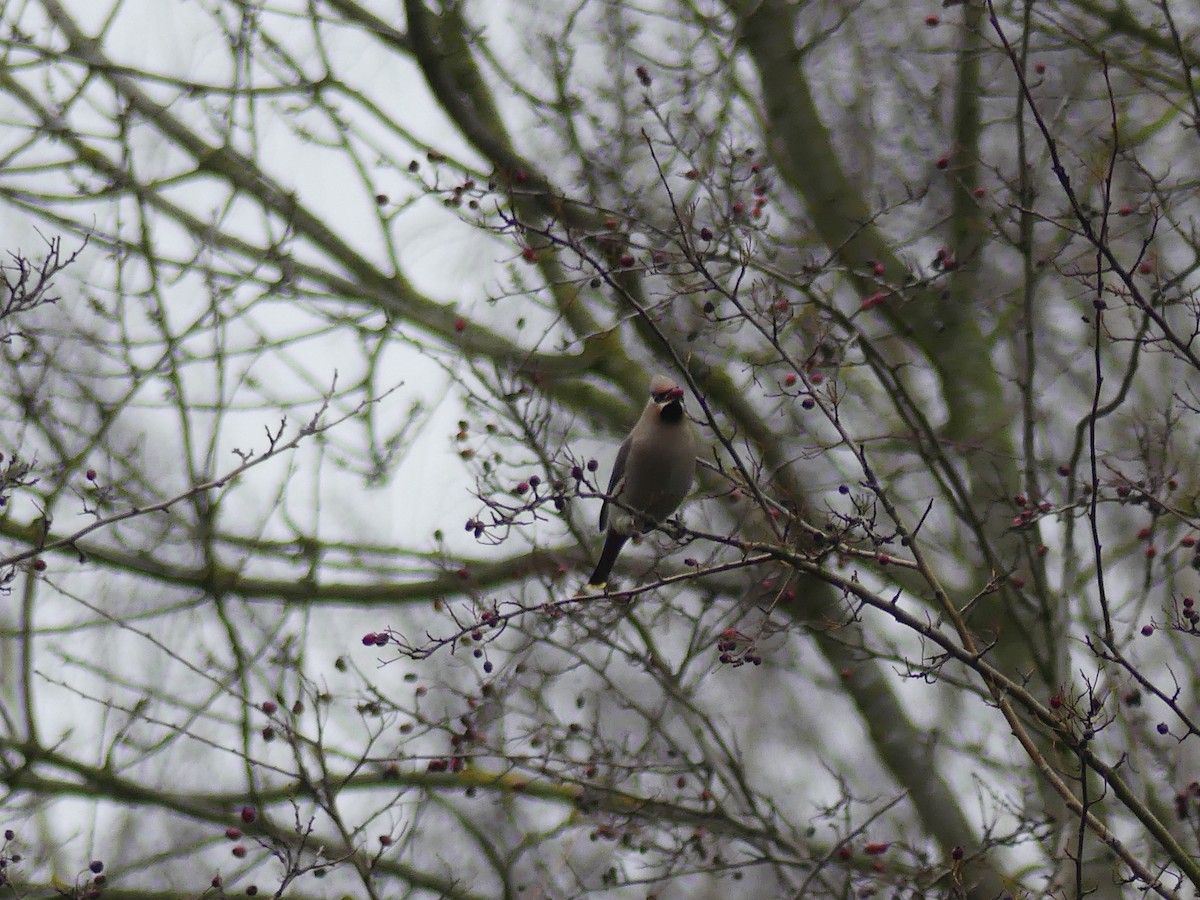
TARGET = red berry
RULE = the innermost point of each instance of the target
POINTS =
(1188, 541)
(627, 260)
(1143, 534)
(39, 565)
(90, 474)
(1125, 210)
(248, 814)
(956, 853)
(529, 255)
(368, 639)
(643, 76)
(878, 268)
(460, 324)
(876, 848)
(239, 851)
(979, 192)
(1147, 630)
(692, 174)
(1040, 68)
(933, 21)
(233, 833)
(1064, 470)
(1146, 268)
(943, 162)
(269, 707)
(1163, 728)
(706, 234)
(844, 852)
(789, 379)
(1151, 552)
(385, 840)
(1055, 702)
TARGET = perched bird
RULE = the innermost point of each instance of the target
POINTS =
(653, 473)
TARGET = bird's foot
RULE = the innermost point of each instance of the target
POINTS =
(676, 529)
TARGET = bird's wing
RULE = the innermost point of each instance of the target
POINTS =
(618, 474)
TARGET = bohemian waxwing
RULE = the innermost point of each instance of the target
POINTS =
(653, 473)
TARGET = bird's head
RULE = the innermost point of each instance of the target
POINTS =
(664, 390)
(668, 397)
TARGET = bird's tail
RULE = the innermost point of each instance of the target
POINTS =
(613, 542)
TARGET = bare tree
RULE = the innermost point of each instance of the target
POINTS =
(303, 464)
